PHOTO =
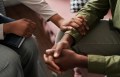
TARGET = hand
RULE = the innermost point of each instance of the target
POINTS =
(49, 60)
(81, 24)
(57, 48)
(69, 59)
(78, 22)
(22, 27)
(65, 25)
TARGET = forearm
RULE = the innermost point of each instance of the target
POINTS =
(56, 19)
(67, 38)
(94, 10)
(41, 7)
(107, 65)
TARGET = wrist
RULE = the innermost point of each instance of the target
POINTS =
(68, 38)
(82, 61)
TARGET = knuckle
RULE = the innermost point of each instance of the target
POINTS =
(23, 19)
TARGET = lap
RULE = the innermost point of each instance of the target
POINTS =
(7, 57)
(27, 51)
(102, 40)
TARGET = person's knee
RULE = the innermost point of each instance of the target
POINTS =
(8, 58)
(30, 47)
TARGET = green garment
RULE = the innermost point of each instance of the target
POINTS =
(93, 11)
(108, 65)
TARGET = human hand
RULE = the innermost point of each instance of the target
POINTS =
(57, 48)
(55, 52)
(49, 60)
(78, 22)
(81, 26)
(22, 27)
(69, 59)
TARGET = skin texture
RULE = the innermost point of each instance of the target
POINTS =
(78, 22)
(67, 60)
(60, 58)
(21, 27)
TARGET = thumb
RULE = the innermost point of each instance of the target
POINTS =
(57, 54)
(58, 50)
(65, 28)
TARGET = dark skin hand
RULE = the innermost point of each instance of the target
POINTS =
(22, 27)
(68, 60)
(67, 40)
(59, 59)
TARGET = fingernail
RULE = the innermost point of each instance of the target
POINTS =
(47, 50)
(55, 55)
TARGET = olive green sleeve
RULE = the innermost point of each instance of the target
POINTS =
(75, 34)
(108, 65)
(94, 10)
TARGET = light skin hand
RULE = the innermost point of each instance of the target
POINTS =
(22, 27)
(82, 26)
(60, 22)
(77, 22)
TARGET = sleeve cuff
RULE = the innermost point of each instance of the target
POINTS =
(75, 34)
(1, 32)
(96, 64)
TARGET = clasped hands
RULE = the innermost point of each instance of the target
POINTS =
(60, 57)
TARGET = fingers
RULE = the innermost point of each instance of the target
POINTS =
(51, 64)
(58, 49)
(50, 51)
(31, 26)
(80, 24)
(84, 22)
(66, 26)
(54, 70)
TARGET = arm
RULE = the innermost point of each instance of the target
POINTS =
(95, 9)
(40, 7)
(43, 9)
(107, 65)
